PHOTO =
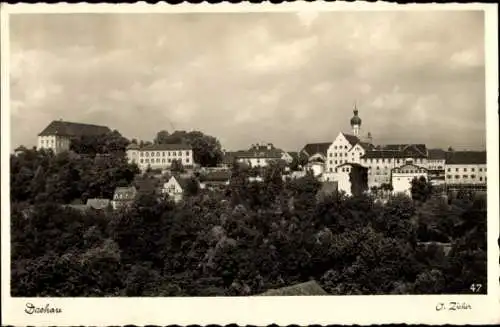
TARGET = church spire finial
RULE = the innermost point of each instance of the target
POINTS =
(355, 121)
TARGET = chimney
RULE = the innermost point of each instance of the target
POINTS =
(269, 146)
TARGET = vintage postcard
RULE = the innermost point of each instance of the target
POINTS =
(256, 164)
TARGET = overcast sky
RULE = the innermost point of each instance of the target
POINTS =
(285, 78)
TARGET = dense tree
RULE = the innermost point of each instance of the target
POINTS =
(162, 137)
(177, 166)
(207, 150)
(421, 189)
(257, 236)
(112, 143)
(39, 176)
(358, 177)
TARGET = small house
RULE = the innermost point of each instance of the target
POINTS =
(176, 187)
(215, 180)
(403, 176)
(123, 197)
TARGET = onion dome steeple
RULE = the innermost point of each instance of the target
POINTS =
(355, 120)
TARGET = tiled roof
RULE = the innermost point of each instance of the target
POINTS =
(398, 151)
(183, 182)
(216, 176)
(307, 288)
(466, 158)
(313, 148)
(98, 203)
(366, 146)
(269, 154)
(352, 139)
(406, 167)
(352, 164)
(64, 128)
(384, 154)
(166, 147)
(436, 154)
(419, 150)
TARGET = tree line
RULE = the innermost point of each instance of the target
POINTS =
(250, 238)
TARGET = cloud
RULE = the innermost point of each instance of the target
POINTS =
(285, 78)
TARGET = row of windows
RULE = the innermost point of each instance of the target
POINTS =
(48, 142)
(256, 160)
(170, 189)
(410, 171)
(340, 147)
(465, 169)
(338, 154)
(158, 160)
(163, 153)
(388, 160)
(465, 177)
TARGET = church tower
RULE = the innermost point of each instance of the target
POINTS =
(356, 122)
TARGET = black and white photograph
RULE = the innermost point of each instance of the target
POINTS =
(250, 155)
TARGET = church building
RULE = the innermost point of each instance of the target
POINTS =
(348, 148)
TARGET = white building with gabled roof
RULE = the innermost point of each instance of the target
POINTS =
(402, 176)
(160, 156)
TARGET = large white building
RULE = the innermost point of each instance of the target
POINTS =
(261, 155)
(160, 156)
(402, 177)
(382, 160)
(347, 148)
(58, 134)
(466, 168)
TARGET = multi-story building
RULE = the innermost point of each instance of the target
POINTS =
(160, 156)
(259, 155)
(401, 177)
(348, 148)
(435, 163)
(315, 151)
(316, 154)
(466, 168)
(381, 160)
(58, 134)
(123, 197)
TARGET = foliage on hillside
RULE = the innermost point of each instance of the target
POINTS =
(207, 150)
(255, 237)
(41, 176)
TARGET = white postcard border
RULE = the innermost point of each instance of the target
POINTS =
(259, 310)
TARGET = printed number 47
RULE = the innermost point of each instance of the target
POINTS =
(475, 287)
